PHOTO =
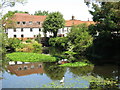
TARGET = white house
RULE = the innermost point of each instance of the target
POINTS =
(29, 26)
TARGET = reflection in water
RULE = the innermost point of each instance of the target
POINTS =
(26, 69)
(107, 76)
(80, 71)
(54, 71)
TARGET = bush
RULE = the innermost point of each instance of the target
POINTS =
(60, 42)
(30, 57)
(30, 47)
(79, 39)
(28, 40)
(14, 42)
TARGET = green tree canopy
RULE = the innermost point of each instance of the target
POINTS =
(53, 22)
(79, 39)
(43, 13)
(107, 16)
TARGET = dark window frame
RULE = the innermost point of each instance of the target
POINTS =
(23, 22)
(22, 30)
(14, 30)
(38, 23)
(39, 29)
(18, 22)
(31, 29)
(30, 22)
(15, 36)
(22, 36)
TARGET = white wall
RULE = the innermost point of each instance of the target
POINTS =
(35, 31)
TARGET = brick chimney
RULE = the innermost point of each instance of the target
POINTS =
(73, 17)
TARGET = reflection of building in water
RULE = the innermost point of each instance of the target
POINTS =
(26, 69)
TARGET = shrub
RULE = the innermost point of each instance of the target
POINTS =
(60, 42)
(30, 57)
(30, 47)
(28, 40)
(14, 42)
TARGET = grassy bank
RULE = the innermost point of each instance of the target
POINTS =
(30, 57)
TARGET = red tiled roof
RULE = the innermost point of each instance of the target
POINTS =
(28, 17)
(24, 17)
(70, 23)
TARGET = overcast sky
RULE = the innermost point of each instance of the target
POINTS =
(67, 7)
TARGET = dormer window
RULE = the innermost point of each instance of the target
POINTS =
(18, 22)
(30, 22)
(24, 22)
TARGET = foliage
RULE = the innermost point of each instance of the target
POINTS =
(53, 22)
(79, 39)
(100, 83)
(81, 71)
(43, 13)
(28, 41)
(70, 55)
(30, 57)
(33, 46)
(60, 42)
(76, 64)
(3, 42)
(54, 71)
(14, 42)
(9, 3)
(107, 18)
(38, 38)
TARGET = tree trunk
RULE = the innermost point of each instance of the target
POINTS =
(55, 34)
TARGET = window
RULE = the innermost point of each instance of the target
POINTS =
(24, 22)
(31, 30)
(30, 22)
(18, 22)
(25, 67)
(38, 23)
(21, 29)
(39, 29)
(32, 67)
(15, 36)
(63, 30)
(19, 68)
(14, 29)
(39, 66)
(22, 36)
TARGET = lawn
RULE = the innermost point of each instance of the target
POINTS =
(30, 57)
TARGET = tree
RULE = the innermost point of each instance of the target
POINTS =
(43, 13)
(107, 18)
(79, 39)
(3, 37)
(53, 22)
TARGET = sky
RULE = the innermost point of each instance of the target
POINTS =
(68, 8)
